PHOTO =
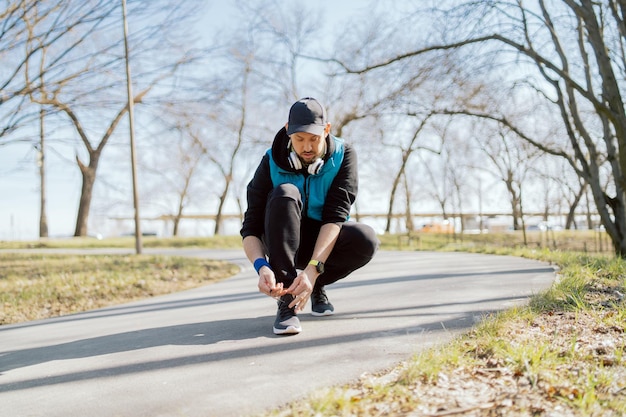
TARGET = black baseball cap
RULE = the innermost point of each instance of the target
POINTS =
(307, 115)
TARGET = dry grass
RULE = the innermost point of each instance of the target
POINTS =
(582, 241)
(562, 355)
(36, 286)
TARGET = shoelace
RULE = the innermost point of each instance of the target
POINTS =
(281, 302)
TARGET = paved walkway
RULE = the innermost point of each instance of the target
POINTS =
(211, 351)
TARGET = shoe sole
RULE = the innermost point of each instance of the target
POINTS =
(288, 330)
(324, 313)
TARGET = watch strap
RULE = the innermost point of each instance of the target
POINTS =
(319, 265)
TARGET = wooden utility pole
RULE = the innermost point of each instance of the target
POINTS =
(131, 123)
(41, 161)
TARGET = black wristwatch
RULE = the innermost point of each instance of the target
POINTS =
(319, 265)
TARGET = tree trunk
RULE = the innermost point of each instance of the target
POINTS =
(89, 178)
(392, 198)
(176, 223)
(590, 225)
(572, 208)
(410, 227)
(220, 207)
(515, 204)
(179, 215)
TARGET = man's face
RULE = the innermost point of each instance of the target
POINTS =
(308, 146)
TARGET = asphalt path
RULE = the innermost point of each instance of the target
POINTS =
(211, 352)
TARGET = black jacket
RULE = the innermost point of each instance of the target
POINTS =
(339, 199)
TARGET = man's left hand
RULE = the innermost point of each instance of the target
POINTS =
(301, 289)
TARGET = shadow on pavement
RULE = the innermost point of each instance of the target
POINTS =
(208, 333)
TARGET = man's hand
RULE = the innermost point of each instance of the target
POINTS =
(267, 283)
(301, 289)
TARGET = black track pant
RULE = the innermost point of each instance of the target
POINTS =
(290, 239)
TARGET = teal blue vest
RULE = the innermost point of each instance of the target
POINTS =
(313, 188)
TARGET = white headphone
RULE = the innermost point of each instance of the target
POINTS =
(294, 161)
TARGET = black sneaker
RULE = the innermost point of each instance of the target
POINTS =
(286, 320)
(320, 306)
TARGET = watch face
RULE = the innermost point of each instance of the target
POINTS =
(320, 267)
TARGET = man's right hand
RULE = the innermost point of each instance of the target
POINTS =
(267, 283)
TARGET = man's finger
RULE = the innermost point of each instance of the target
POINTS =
(296, 300)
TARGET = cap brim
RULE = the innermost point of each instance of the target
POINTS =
(313, 129)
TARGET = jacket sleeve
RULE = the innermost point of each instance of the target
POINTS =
(258, 190)
(343, 190)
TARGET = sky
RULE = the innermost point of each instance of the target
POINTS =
(19, 176)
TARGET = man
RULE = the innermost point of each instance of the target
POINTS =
(296, 230)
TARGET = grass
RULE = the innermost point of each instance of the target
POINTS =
(563, 354)
(582, 241)
(219, 242)
(34, 286)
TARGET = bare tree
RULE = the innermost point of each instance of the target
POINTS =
(261, 66)
(509, 160)
(227, 165)
(406, 151)
(282, 35)
(84, 77)
(568, 189)
(580, 60)
(17, 21)
(444, 174)
(178, 169)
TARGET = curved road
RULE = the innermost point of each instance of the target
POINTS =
(211, 351)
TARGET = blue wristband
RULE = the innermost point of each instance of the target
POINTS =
(260, 263)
